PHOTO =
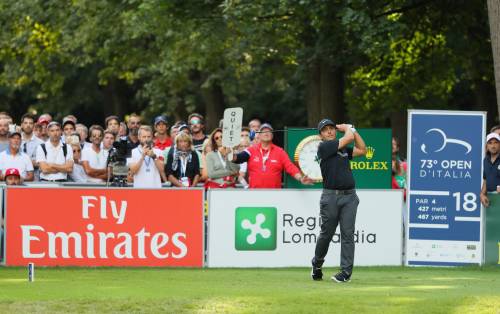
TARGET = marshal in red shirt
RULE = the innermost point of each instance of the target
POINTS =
(265, 167)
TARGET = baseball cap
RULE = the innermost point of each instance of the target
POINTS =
(491, 136)
(68, 120)
(42, 120)
(14, 133)
(53, 123)
(182, 127)
(266, 126)
(159, 119)
(324, 123)
(12, 172)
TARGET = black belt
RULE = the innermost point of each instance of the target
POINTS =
(58, 180)
(340, 192)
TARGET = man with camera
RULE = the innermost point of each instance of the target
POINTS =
(146, 162)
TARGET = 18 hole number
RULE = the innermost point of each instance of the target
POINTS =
(469, 201)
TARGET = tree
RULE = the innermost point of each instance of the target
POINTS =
(494, 19)
(290, 62)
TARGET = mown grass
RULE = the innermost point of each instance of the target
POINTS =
(372, 290)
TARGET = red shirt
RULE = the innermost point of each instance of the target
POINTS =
(265, 167)
(162, 146)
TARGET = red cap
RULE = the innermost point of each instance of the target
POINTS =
(43, 120)
(12, 172)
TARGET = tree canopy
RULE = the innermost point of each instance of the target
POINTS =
(290, 62)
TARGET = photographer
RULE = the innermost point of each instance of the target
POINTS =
(146, 162)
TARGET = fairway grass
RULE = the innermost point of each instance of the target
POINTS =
(372, 290)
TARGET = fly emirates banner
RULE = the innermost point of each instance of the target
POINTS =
(104, 227)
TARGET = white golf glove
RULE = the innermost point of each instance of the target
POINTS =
(353, 129)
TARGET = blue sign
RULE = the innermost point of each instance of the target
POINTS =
(445, 176)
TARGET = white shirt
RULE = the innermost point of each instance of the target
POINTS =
(20, 161)
(55, 155)
(148, 175)
(29, 146)
(95, 160)
(78, 174)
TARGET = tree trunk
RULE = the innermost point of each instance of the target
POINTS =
(332, 96)
(313, 94)
(494, 18)
(213, 97)
(180, 112)
(485, 101)
(112, 98)
(325, 93)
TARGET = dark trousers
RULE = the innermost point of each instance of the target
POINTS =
(338, 209)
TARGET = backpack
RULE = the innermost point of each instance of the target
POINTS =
(64, 148)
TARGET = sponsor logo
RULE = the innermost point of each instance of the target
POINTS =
(367, 165)
(370, 151)
(445, 141)
(93, 227)
(255, 228)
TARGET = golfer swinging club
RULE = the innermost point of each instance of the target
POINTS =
(339, 202)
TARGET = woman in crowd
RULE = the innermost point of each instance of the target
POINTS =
(207, 148)
(398, 174)
(221, 173)
(183, 166)
(395, 149)
(78, 174)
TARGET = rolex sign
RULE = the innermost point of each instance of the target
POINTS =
(370, 172)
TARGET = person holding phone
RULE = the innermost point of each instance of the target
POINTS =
(146, 162)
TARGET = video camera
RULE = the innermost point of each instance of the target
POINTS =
(117, 159)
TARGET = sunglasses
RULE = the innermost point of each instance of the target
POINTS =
(217, 138)
(195, 121)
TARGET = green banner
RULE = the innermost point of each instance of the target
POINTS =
(372, 171)
(492, 234)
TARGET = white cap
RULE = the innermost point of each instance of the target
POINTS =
(492, 135)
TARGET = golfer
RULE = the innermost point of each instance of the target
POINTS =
(339, 202)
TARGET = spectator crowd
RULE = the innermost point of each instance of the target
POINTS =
(182, 154)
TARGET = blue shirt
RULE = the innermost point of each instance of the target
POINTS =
(491, 173)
